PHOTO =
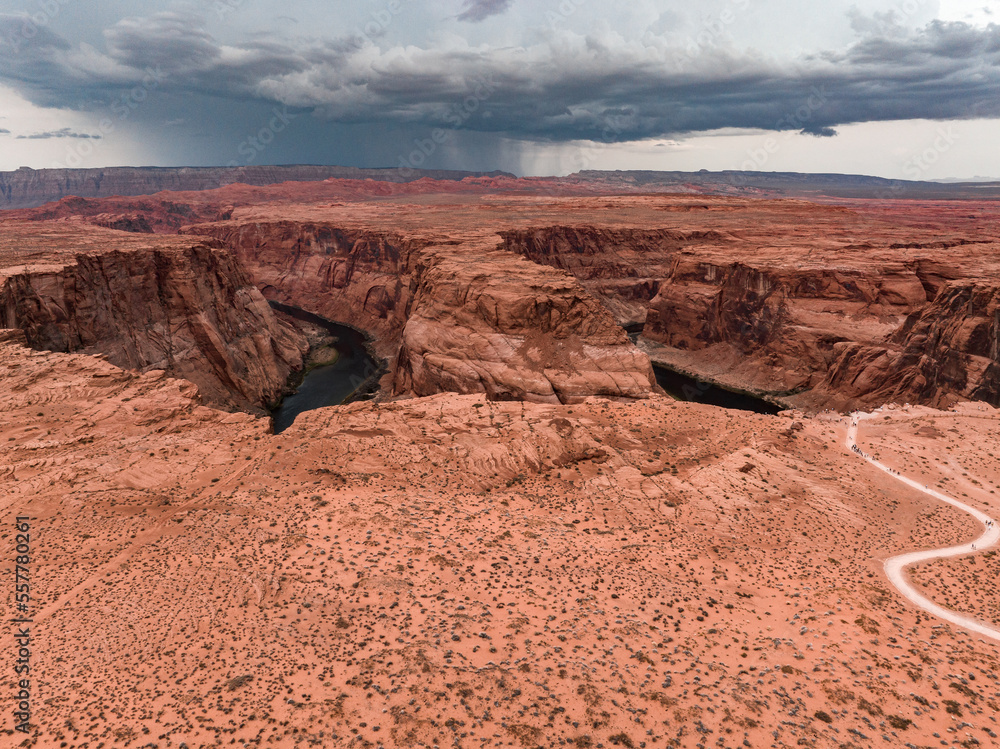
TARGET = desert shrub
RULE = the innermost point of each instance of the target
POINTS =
(234, 684)
(869, 707)
(900, 724)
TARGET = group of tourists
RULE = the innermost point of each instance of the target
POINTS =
(866, 456)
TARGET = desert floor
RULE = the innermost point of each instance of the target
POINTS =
(448, 571)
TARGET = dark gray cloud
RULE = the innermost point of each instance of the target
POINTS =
(4, 131)
(61, 133)
(577, 88)
(19, 31)
(479, 10)
(169, 41)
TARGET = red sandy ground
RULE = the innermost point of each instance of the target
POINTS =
(451, 571)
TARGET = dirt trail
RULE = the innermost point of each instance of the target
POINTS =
(895, 566)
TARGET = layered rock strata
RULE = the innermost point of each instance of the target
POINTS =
(943, 353)
(488, 322)
(178, 306)
(458, 316)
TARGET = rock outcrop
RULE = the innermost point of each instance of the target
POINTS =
(459, 316)
(784, 317)
(178, 306)
(946, 352)
(493, 323)
(828, 325)
(782, 298)
(623, 267)
(357, 276)
(779, 326)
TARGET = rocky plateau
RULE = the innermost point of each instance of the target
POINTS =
(809, 304)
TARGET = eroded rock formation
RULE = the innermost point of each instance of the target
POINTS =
(798, 301)
(790, 317)
(455, 570)
(811, 304)
(359, 276)
(623, 267)
(490, 322)
(175, 305)
(457, 316)
(182, 552)
(945, 352)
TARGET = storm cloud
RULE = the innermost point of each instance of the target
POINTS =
(61, 133)
(479, 10)
(562, 88)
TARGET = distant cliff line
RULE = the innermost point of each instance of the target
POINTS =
(28, 188)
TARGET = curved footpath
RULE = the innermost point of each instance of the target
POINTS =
(894, 566)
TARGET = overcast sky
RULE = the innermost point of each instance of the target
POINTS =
(896, 88)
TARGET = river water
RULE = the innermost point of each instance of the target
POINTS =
(328, 384)
(332, 384)
(686, 388)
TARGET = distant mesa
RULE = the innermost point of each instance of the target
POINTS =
(794, 184)
(29, 188)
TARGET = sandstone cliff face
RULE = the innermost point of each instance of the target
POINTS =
(945, 352)
(678, 286)
(191, 311)
(782, 297)
(592, 252)
(461, 317)
(756, 307)
(787, 318)
(623, 267)
(356, 276)
(752, 301)
(493, 323)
